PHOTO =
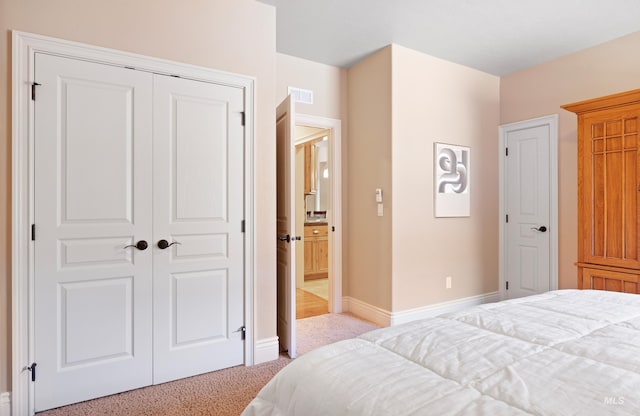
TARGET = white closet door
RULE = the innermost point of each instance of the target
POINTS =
(198, 203)
(92, 309)
(527, 203)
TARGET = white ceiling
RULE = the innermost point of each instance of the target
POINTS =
(495, 36)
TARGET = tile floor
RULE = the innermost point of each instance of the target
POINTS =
(319, 287)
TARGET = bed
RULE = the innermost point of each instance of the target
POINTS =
(567, 352)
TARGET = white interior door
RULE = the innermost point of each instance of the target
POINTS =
(285, 126)
(198, 207)
(93, 199)
(528, 231)
(123, 160)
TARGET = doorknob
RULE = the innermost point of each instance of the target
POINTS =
(140, 245)
(542, 229)
(162, 244)
(286, 238)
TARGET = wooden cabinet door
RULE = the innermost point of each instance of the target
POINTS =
(309, 255)
(608, 187)
(322, 246)
(316, 251)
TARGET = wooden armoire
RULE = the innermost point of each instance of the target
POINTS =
(609, 192)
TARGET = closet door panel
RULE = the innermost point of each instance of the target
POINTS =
(92, 203)
(198, 209)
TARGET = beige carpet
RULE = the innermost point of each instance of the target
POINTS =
(220, 393)
(327, 329)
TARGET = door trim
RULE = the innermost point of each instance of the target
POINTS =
(552, 122)
(24, 48)
(335, 197)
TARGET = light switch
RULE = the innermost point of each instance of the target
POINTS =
(380, 210)
(378, 195)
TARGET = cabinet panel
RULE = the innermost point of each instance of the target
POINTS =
(323, 254)
(315, 230)
(309, 257)
(609, 192)
(316, 252)
(610, 280)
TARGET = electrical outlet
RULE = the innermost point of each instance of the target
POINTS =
(448, 282)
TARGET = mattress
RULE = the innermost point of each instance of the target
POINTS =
(566, 352)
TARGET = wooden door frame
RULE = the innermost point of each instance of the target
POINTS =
(552, 122)
(24, 48)
(335, 201)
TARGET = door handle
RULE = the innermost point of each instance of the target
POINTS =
(140, 245)
(162, 244)
(542, 229)
(286, 238)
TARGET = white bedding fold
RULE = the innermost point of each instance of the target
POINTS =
(561, 353)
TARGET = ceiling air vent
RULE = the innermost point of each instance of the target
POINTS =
(301, 95)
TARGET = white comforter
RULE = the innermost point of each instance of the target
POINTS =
(561, 353)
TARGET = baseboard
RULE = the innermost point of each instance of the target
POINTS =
(436, 309)
(266, 350)
(384, 318)
(378, 316)
(5, 404)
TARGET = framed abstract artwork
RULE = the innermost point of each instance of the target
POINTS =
(452, 180)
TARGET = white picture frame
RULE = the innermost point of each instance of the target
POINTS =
(452, 180)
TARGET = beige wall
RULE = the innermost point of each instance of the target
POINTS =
(369, 167)
(235, 36)
(400, 103)
(327, 82)
(605, 69)
(439, 101)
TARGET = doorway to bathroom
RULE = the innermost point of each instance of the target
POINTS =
(292, 215)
